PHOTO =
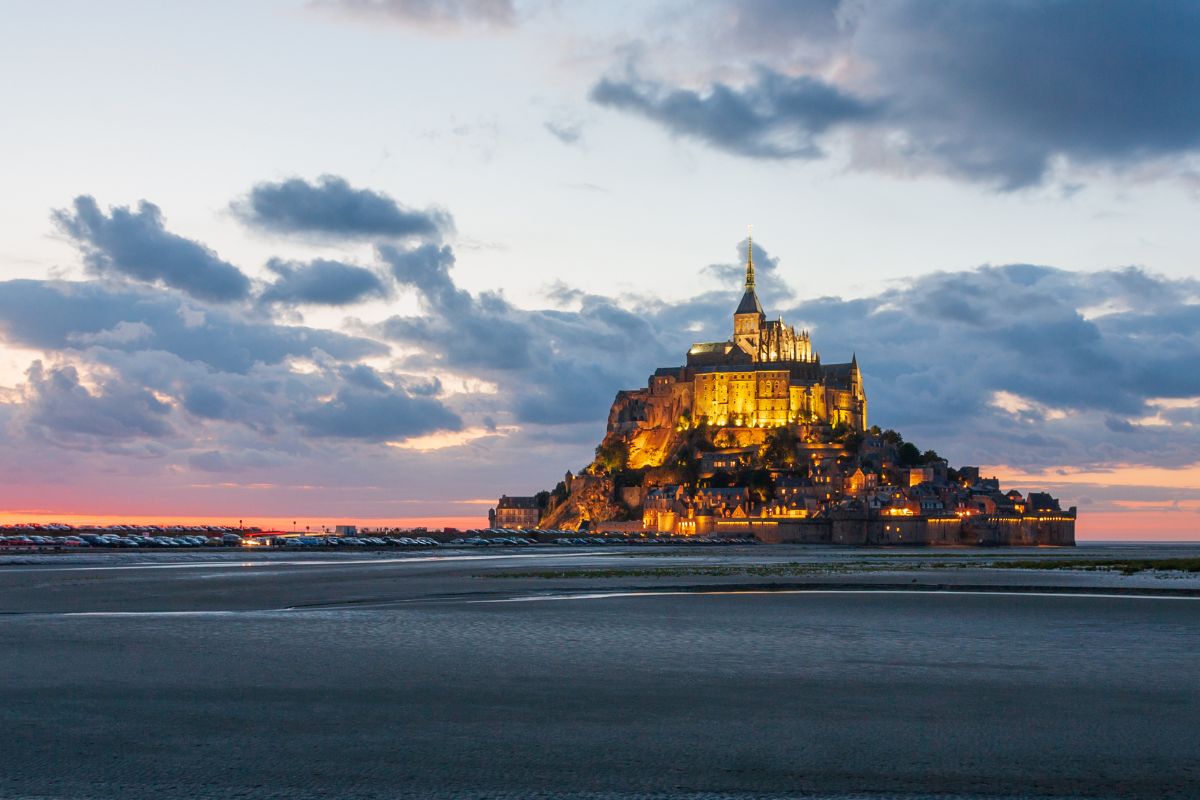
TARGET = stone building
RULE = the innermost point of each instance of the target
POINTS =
(767, 375)
(515, 512)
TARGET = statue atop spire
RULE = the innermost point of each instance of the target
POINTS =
(750, 304)
(750, 258)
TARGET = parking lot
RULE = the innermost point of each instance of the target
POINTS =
(52, 538)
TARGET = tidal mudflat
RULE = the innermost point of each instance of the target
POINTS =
(872, 673)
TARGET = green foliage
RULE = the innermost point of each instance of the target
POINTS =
(699, 438)
(759, 482)
(909, 455)
(628, 477)
(930, 456)
(543, 499)
(612, 456)
(687, 468)
(892, 437)
(779, 450)
(719, 479)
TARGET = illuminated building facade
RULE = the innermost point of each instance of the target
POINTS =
(766, 376)
(515, 512)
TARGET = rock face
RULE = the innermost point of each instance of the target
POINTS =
(590, 500)
(646, 423)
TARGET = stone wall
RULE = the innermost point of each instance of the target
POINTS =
(865, 529)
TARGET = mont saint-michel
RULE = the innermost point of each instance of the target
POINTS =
(755, 435)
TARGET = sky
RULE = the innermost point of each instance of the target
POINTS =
(384, 260)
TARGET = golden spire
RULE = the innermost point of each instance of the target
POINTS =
(750, 258)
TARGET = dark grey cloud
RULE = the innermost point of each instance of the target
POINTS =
(205, 401)
(776, 116)
(997, 90)
(988, 92)
(442, 14)
(553, 367)
(201, 374)
(426, 267)
(321, 282)
(1021, 364)
(332, 208)
(460, 330)
(363, 376)
(59, 315)
(378, 416)
(769, 287)
(943, 354)
(135, 244)
(62, 408)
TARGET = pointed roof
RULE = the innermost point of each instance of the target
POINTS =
(749, 304)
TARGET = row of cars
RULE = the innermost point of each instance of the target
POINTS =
(355, 541)
(113, 540)
(493, 537)
(500, 537)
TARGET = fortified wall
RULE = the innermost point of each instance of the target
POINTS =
(866, 529)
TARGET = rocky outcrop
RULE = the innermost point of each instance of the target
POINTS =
(590, 500)
(647, 423)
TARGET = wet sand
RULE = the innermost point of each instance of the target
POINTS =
(304, 675)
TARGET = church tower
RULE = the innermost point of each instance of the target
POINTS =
(749, 318)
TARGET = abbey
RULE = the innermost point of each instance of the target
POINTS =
(766, 376)
(754, 436)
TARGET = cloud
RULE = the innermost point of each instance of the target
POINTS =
(1025, 365)
(321, 282)
(61, 407)
(768, 287)
(378, 416)
(775, 117)
(58, 315)
(437, 14)
(332, 208)
(939, 351)
(553, 367)
(183, 382)
(566, 132)
(996, 93)
(1085, 359)
(136, 245)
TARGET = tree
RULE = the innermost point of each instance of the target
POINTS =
(719, 479)
(892, 437)
(930, 456)
(612, 456)
(759, 482)
(909, 455)
(629, 477)
(778, 451)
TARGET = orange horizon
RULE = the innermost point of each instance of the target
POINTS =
(1132, 525)
(264, 522)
